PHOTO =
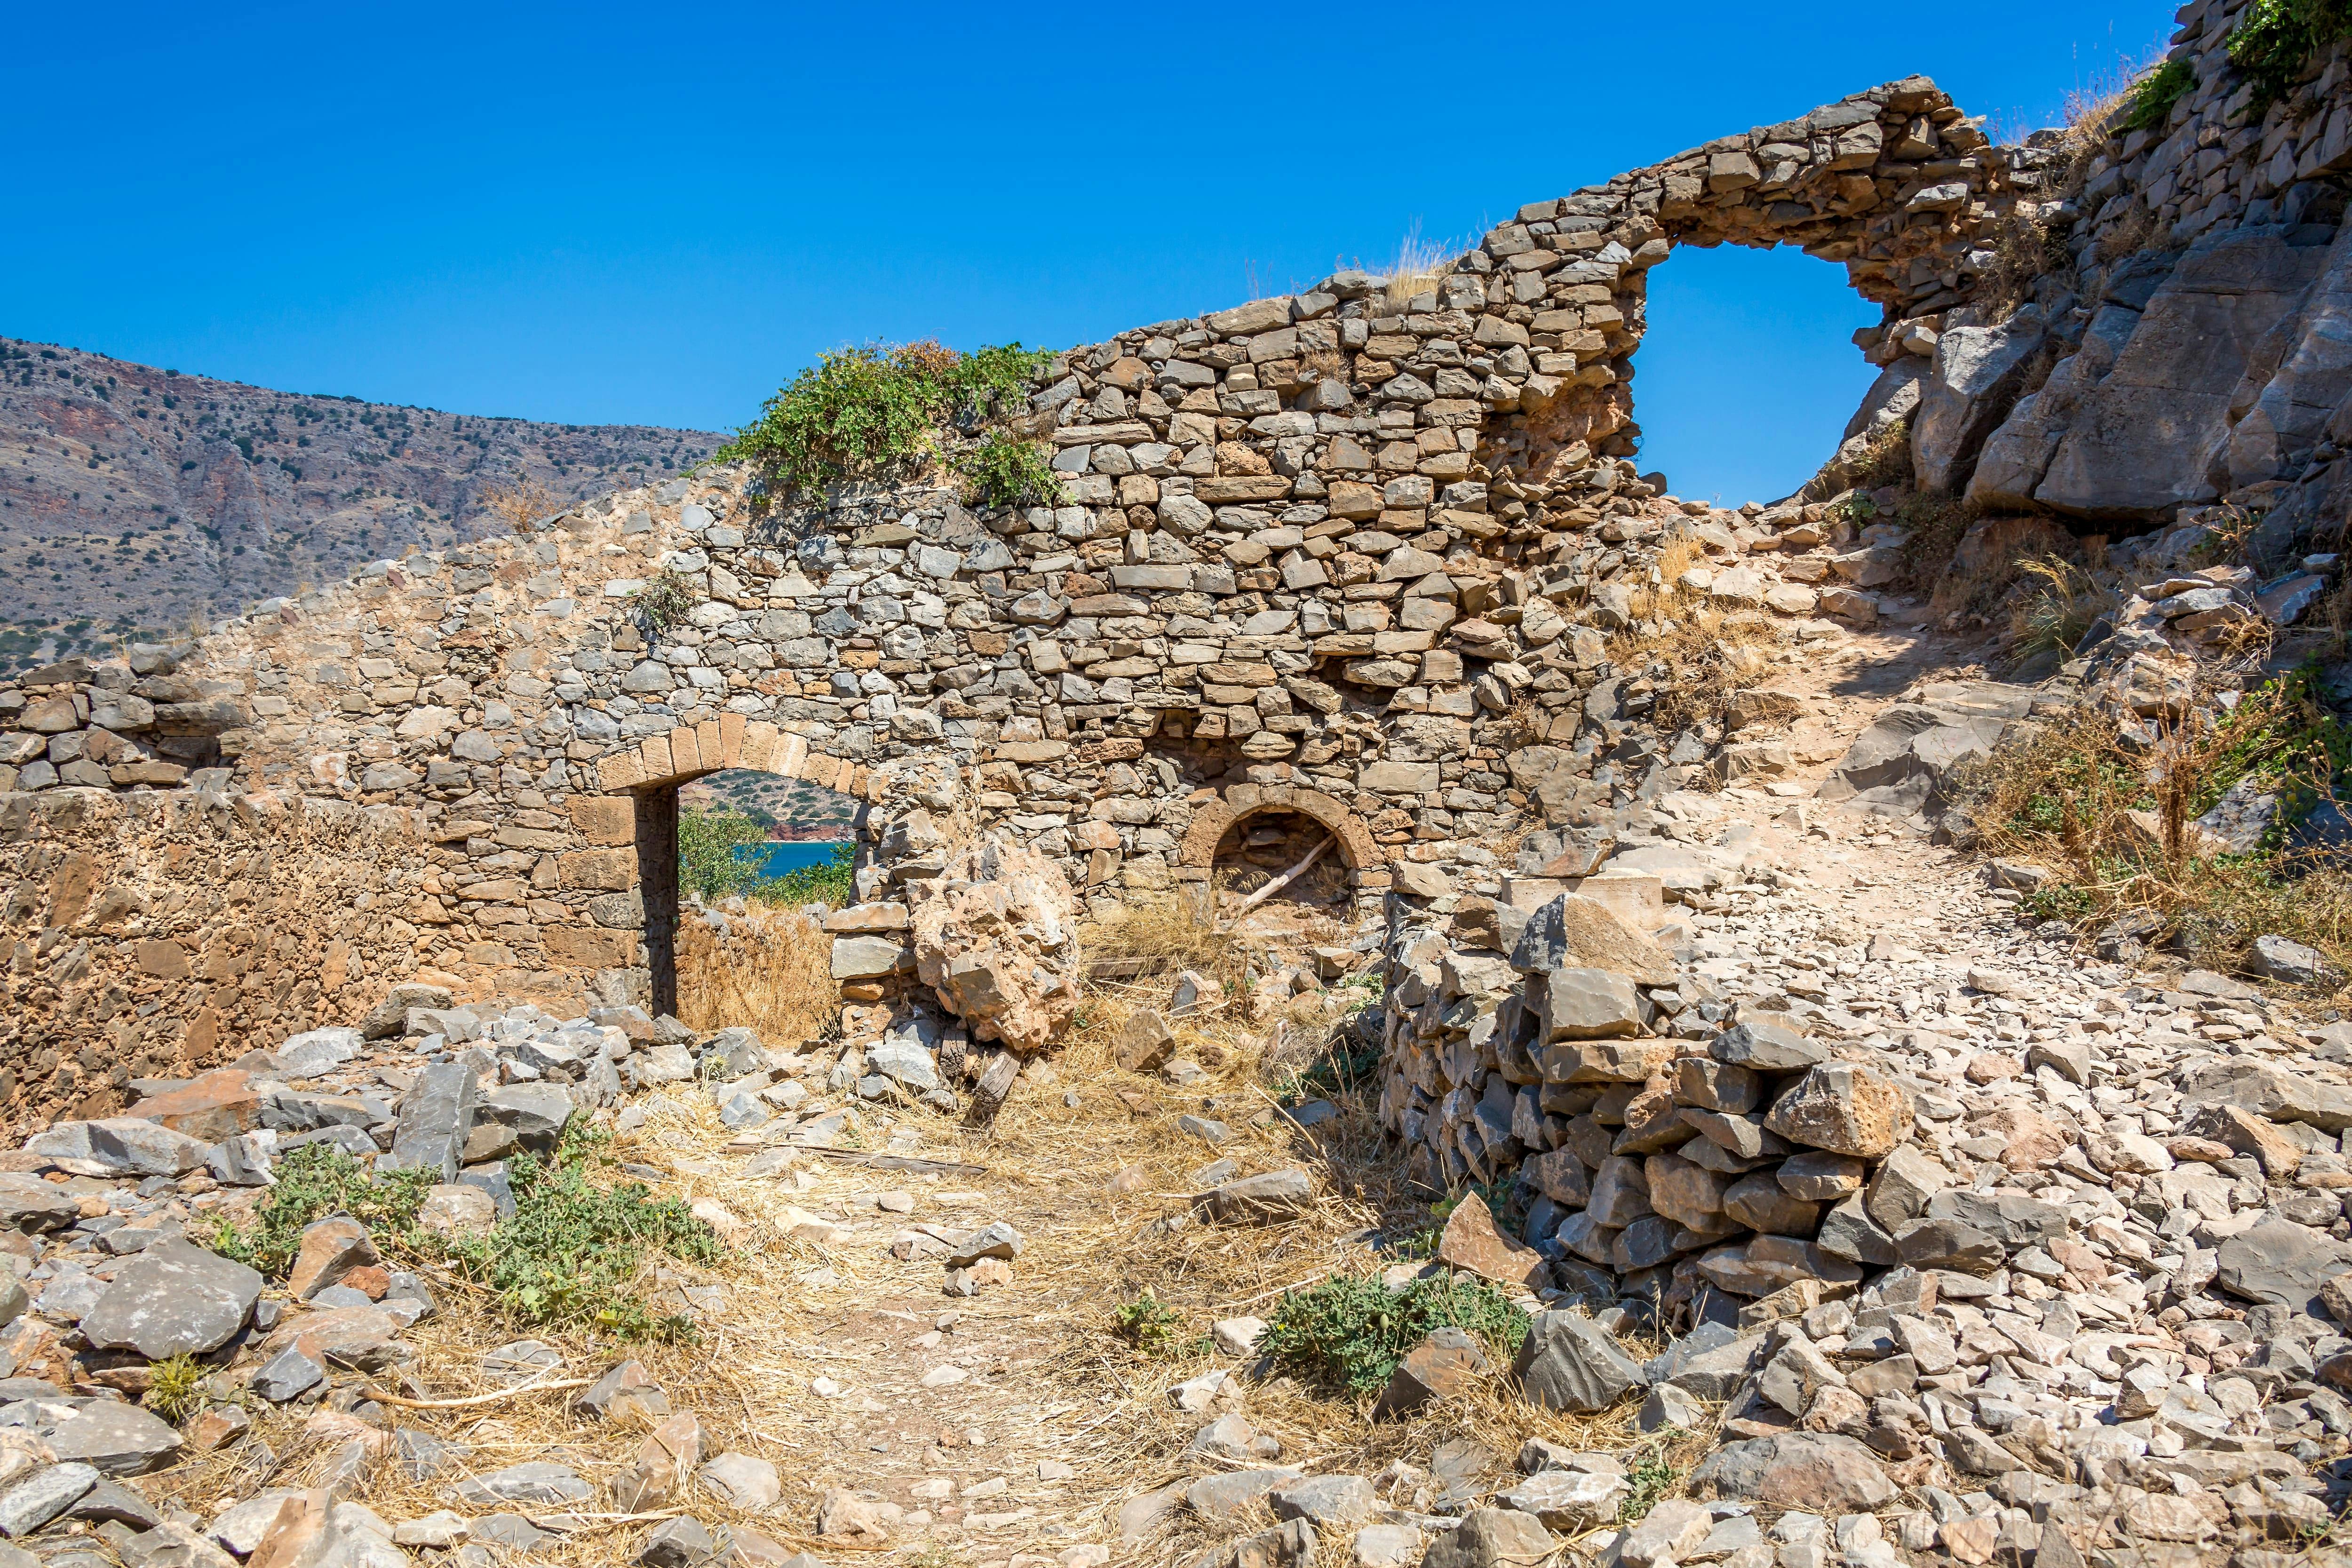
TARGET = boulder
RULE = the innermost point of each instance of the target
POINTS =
(2282, 1262)
(117, 1146)
(173, 1299)
(992, 939)
(44, 1496)
(1843, 1109)
(1329, 1501)
(1492, 1538)
(1820, 1472)
(1145, 1041)
(1569, 1363)
(114, 1439)
(389, 1017)
(435, 1116)
(1576, 933)
(1448, 1362)
(1471, 1242)
(2267, 1091)
(2290, 963)
(1978, 374)
(743, 1482)
(330, 1250)
(1902, 763)
(542, 1481)
(1259, 1200)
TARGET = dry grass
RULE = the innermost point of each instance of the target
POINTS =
(2114, 826)
(771, 973)
(519, 501)
(1047, 1377)
(1696, 654)
(1416, 269)
(1885, 460)
(2062, 602)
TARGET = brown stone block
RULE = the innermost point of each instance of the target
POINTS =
(601, 870)
(685, 751)
(163, 959)
(653, 755)
(581, 947)
(709, 745)
(604, 818)
(760, 739)
(622, 770)
(731, 728)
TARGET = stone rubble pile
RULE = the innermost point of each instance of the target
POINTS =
(108, 1275)
(1678, 1139)
(2077, 1274)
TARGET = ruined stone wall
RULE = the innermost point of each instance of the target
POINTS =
(1353, 554)
(150, 931)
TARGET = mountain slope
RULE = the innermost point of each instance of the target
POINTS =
(134, 499)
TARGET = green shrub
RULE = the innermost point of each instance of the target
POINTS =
(2284, 734)
(1147, 1324)
(314, 1181)
(1351, 1331)
(874, 412)
(2274, 38)
(2149, 103)
(1647, 1480)
(574, 1254)
(835, 882)
(1006, 470)
(707, 862)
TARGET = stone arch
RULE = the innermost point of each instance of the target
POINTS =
(1197, 850)
(649, 775)
(1894, 182)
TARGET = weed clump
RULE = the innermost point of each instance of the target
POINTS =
(2062, 603)
(1649, 1479)
(1148, 1324)
(314, 1181)
(2274, 38)
(2150, 100)
(875, 413)
(1351, 1331)
(1006, 470)
(2115, 819)
(175, 1388)
(576, 1254)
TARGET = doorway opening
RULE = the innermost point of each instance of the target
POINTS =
(1748, 370)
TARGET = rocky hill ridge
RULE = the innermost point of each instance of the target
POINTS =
(139, 498)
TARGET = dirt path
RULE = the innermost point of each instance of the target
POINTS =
(1008, 1428)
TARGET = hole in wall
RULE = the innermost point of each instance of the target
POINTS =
(1263, 845)
(722, 836)
(1747, 373)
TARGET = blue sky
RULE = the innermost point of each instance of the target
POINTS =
(623, 212)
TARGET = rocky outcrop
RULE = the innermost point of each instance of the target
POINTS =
(2135, 423)
(1902, 765)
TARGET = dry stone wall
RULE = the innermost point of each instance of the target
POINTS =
(1352, 556)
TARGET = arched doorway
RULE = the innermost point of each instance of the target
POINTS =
(1287, 823)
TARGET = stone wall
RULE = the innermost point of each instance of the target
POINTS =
(2181, 345)
(152, 929)
(1354, 553)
